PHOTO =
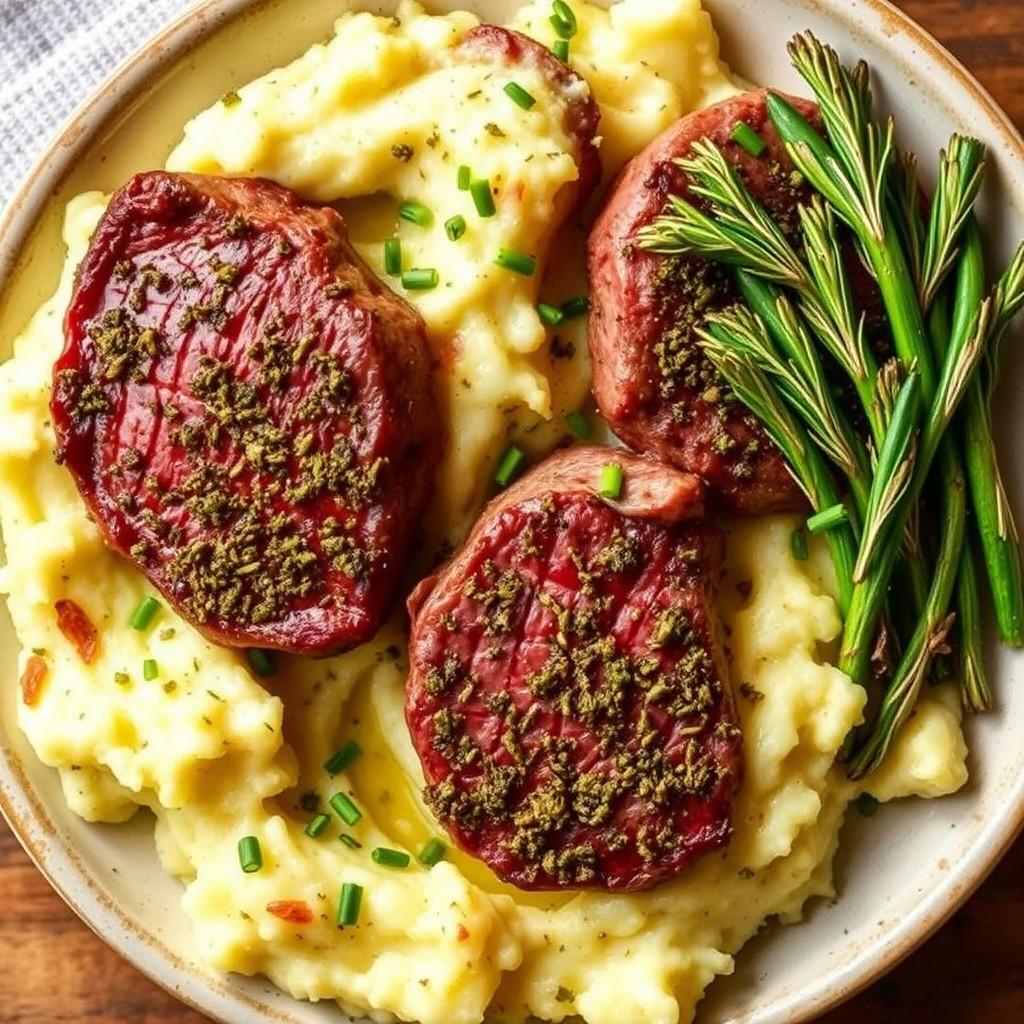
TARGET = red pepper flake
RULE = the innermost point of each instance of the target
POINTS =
(462, 933)
(292, 911)
(75, 625)
(32, 679)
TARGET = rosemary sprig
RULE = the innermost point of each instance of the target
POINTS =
(713, 178)
(858, 197)
(931, 635)
(905, 196)
(962, 167)
(833, 318)
(975, 692)
(728, 341)
(972, 679)
(761, 251)
(993, 517)
(803, 382)
(963, 355)
(893, 473)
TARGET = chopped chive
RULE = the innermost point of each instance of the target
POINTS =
(509, 466)
(390, 858)
(345, 808)
(419, 279)
(579, 425)
(433, 850)
(350, 842)
(465, 174)
(349, 903)
(455, 227)
(611, 481)
(798, 545)
(342, 757)
(745, 136)
(575, 307)
(260, 662)
(145, 614)
(867, 804)
(552, 316)
(483, 197)
(250, 856)
(560, 48)
(150, 669)
(518, 262)
(393, 256)
(563, 21)
(518, 95)
(415, 213)
(827, 519)
(317, 825)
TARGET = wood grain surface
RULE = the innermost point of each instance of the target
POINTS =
(55, 970)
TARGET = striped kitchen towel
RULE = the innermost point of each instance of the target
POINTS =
(53, 54)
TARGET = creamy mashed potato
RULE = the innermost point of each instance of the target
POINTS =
(217, 754)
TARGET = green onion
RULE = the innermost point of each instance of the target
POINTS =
(867, 804)
(390, 858)
(611, 481)
(745, 136)
(455, 227)
(150, 669)
(419, 279)
(145, 614)
(560, 48)
(519, 95)
(345, 808)
(579, 425)
(431, 853)
(827, 519)
(260, 662)
(563, 21)
(518, 262)
(342, 757)
(551, 316)
(578, 306)
(798, 545)
(250, 856)
(483, 198)
(317, 825)
(350, 842)
(415, 213)
(349, 903)
(465, 175)
(393, 256)
(509, 466)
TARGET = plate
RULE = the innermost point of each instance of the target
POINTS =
(900, 874)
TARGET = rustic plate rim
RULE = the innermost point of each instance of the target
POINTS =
(18, 219)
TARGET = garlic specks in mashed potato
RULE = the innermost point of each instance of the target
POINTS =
(218, 754)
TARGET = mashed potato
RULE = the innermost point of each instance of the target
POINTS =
(217, 754)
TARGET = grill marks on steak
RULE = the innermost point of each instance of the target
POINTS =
(652, 382)
(246, 410)
(567, 694)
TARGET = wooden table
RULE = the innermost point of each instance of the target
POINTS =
(55, 970)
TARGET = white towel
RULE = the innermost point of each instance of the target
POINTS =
(53, 54)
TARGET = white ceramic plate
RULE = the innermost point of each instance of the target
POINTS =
(900, 874)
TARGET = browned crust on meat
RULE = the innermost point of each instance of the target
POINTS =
(568, 693)
(651, 383)
(321, 457)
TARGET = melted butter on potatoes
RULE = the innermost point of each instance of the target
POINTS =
(219, 754)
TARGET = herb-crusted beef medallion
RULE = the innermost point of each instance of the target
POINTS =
(247, 410)
(568, 694)
(651, 381)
